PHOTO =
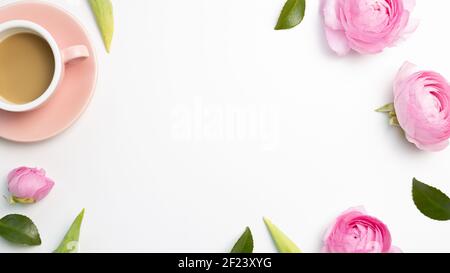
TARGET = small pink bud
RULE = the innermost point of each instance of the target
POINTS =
(28, 185)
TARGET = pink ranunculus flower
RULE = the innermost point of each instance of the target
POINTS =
(28, 185)
(356, 232)
(422, 107)
(366, 26)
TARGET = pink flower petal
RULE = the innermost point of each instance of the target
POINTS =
(337, 41)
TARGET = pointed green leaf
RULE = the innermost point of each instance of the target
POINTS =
(291, 15)
(430, 201)
(245, 243)
(71, 240)
(386, 108)
(103, 11)
(19, 229)
(282, 242)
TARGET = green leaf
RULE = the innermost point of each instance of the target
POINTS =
(282, 242)
(71, 240)
(430, 201)
(19, 229)
(388, 108)
(291, 15)
(103, 11)
(245, 243)
(393, 121)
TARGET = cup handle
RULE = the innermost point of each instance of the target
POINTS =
(74, 53)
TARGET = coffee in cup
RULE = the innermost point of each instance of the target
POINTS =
(27, 67)
(32, 65)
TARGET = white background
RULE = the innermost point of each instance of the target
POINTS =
(158, 168)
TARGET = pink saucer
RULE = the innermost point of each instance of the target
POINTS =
(76, 89)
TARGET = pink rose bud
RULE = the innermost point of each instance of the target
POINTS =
(356, 232)
(28, 185)
(366, 26)
(421, 102)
